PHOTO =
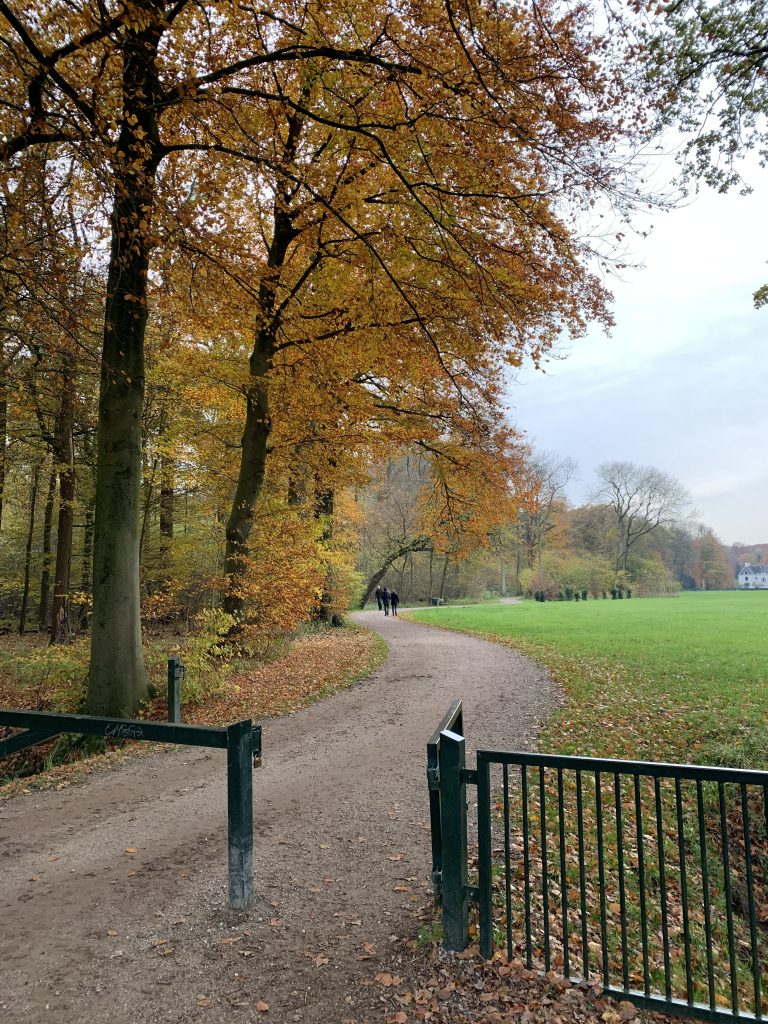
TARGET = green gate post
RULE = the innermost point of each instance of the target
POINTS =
(453, 814)
(484, 856)
(174, 689)
(240, 813)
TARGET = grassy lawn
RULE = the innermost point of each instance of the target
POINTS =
(668, 679)
(674, 679)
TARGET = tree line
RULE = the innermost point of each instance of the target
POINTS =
(638, 534)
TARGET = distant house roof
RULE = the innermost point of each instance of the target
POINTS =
(754, 569)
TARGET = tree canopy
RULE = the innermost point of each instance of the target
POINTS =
(352, 216)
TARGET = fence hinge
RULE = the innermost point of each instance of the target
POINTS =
(469, 776)
(472, 893)
(433, 778)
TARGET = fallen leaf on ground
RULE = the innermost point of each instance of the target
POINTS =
(387, 979)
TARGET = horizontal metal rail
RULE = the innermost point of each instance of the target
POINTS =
(659, 769)
(242, 741)
(44, 725)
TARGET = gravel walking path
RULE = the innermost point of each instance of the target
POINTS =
(113, 892)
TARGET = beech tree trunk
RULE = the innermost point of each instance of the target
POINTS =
(167, 509)
(45, 576)
(65, 453)
(442, 578)
(258, 422)
(117, 680)
(3, 440)
(28, 551)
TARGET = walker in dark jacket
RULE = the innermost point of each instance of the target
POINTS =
(394, 598)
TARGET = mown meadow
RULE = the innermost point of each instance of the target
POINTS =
(671, 679)
(666, 906)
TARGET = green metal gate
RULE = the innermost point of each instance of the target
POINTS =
(648, 879)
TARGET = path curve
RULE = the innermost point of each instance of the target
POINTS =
(341, 855)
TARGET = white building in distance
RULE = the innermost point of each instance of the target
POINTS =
(753, 577)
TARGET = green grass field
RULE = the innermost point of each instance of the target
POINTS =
(679, 679)
(666, 679)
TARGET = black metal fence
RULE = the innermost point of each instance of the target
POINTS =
(648, 879)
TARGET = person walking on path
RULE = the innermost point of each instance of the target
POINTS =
(394, 599)
(385, 597)
(377, 595)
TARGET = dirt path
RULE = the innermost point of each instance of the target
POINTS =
(341, 850)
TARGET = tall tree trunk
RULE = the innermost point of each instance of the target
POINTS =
(258, 422)
(28, 551)
(324, 500)
(167, 510)
(539, 547)
(442, 578)
(45, 576)
(149, 491)
(503, 575)
(167, 495)
(117, 680)
(61, 627)
(3, 434)
(85, 566)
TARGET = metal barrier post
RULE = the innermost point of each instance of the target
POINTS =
(453, 813)
(484, 856)
(240, 813)
(174, 689)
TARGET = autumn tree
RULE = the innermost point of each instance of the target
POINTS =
(549, 475)
(642, 499)
(464, 131)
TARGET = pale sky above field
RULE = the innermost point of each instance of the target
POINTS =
(682, 383)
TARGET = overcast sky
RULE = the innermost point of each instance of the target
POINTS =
(682, 383)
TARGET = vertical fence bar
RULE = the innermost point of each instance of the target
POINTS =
(435, 825)
(544, 868)
(622, 880)
(240, 813)
(563, 876)
(751, 901)
(725, 839)
(484, 856)
(507, 863)
(684, 891)
(174, 689)
(582, 876)
(641, 882)
(453, 814)
(526, 868)
(705, 893)
(601, 876)
(662, 887)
